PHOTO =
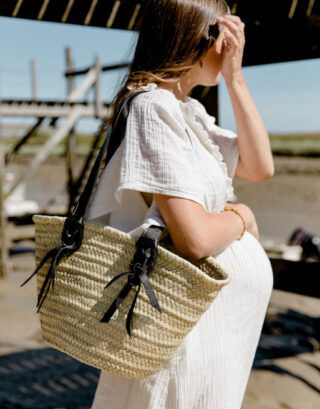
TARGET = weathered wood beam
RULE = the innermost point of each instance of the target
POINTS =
(25, 139)
(104, 68)
(4, 262)
(98, 102)
(34, 81)
(87, 166)
(69, 61)
(85, 84)
(46, 149)
(43, 110)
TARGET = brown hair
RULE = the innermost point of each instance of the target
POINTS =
(174, 35)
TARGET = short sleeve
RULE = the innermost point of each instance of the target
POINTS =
(156, 155)
(157, 150)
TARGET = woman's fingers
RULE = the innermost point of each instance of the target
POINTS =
(234, 25)
(231, 40)
(234, 41)
(236, 19)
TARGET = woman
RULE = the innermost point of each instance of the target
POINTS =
(174, 157)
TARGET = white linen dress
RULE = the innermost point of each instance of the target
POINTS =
(175, 148)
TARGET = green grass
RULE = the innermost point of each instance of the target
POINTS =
(281, 144)
(295, 144)
(83, 145)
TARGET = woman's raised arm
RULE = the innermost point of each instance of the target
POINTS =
(255, 156)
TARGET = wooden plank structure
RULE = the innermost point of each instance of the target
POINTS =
(72, 109)
(49, 109)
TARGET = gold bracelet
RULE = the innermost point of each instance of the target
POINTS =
(236, 211)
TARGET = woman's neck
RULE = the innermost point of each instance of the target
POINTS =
(180, 88)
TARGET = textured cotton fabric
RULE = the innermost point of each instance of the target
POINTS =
(175, 148)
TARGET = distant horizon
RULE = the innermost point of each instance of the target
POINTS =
(287, 94)
(5, 127)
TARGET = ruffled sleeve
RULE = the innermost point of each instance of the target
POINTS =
(157, 152)
(155, 156)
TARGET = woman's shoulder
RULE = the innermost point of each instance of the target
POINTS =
(155, 99)
(157, 110)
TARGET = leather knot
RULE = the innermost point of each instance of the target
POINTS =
(142, 263)
(72, 233)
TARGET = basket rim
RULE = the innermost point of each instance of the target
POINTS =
(162, 252)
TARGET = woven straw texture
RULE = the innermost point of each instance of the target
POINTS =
(70, 317)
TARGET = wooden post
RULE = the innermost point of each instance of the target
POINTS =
(98, 87)
(209, 98)
(71, 143)
(4, 262)
(69, 62)
(34, 80)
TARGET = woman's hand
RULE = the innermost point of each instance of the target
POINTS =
(249, 218)
(234, 41)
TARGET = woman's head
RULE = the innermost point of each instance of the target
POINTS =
(174, 36)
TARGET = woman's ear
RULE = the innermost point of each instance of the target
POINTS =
(220, 43)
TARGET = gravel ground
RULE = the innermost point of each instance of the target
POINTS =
(288, 200)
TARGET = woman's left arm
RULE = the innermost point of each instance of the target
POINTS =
(255, 156)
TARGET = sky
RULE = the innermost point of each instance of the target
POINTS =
(287, 94)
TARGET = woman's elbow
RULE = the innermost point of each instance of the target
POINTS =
(268, 172)
(192, 249)
(256, 172)
(263, 174)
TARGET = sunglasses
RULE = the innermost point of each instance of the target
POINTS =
(213, 31)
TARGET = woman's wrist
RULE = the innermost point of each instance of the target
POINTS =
(234, 79)
(238, 213)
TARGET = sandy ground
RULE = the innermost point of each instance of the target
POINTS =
(288, 200)
(20, 330)
(291, 198)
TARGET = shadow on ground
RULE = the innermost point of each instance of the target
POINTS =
(288, 334)
(48, 379)
(45, 379)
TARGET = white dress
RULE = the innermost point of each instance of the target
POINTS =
(175, 148)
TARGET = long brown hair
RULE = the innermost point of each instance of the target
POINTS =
(174, 35)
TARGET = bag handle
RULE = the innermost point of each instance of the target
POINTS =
(111, 143)
(146, 246)
(72, 233)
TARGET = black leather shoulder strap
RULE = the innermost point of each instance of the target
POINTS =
(111, 143)
(146, 246)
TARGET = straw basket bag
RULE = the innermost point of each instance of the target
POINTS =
(116, 303)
